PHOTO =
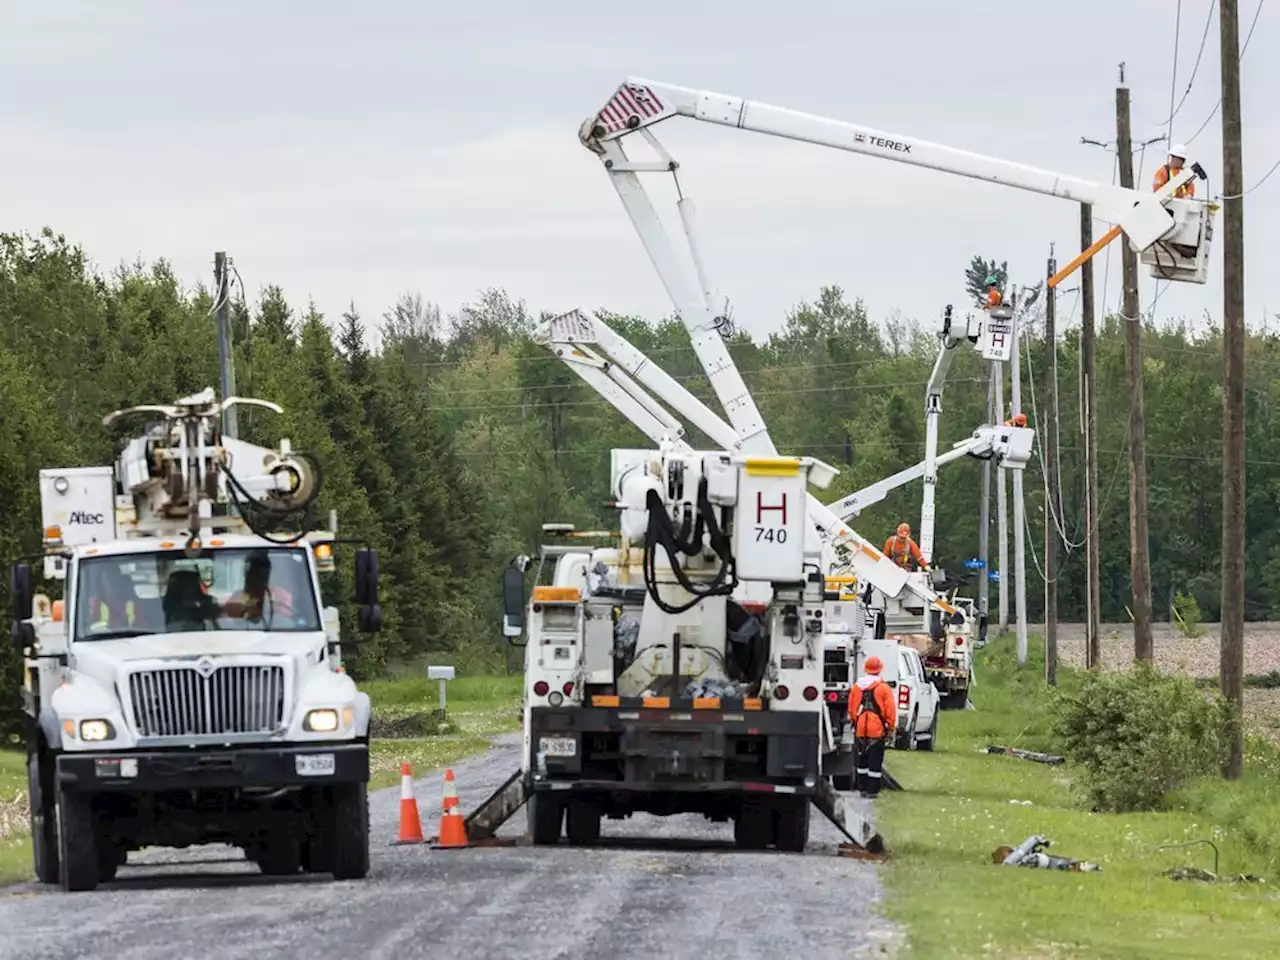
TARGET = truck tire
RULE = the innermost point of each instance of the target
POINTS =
(907, 739)
(582, 822)
(546, 814)
(349, 836)
(927, 744)
(791, 826)
(77, 841)
(44, 819)
(753, 828)
(110, 859)
(279, 855)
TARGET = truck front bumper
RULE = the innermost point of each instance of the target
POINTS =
(314, 764)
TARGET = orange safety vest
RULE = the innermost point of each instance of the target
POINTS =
(993, 298)
(900, 549)
(873, 722)
(1188, 189)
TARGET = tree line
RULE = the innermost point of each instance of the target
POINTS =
(447, 440)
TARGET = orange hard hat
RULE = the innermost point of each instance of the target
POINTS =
(873, 665)
(904, 529)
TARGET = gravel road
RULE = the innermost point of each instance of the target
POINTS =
(656, 887)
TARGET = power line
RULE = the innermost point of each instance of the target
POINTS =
(1266, 176)
(1243, 47)
(1173, 78)
(1195, 67)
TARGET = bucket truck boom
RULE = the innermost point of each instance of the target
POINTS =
(1172, 234)
(576, 337)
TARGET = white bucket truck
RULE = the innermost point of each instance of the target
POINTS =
(188, 687)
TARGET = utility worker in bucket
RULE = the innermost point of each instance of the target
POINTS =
(904, 551)
(875, 718)
(994, 297)
(1177, 158)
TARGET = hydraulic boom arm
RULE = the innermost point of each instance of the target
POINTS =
(575, 338)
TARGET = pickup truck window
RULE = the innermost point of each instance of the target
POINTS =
(136, 594)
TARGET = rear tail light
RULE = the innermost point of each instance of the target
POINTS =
(904, 695)
(959, 641)
(781, 692)
(811, 693)
(540, 688)
(568, 689)
(833, 697)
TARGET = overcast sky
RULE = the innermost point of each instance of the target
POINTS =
(360, 150)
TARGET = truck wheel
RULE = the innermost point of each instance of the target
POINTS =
(582, 822)
(927, 744)
(842, 782)
(44, 819)
(110, 859)
(753, 828)
(77, 841)
(279, 856)
(791, 826)
(546, 814)
(349, 837)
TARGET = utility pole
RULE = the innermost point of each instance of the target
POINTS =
(1139, 546)
(1050, 447)
(1002, 508)
(226, 357)
(984, 522)
(1019, 505)
(1088, 361)
(1231, 668)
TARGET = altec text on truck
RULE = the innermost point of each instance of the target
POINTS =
(188, 687)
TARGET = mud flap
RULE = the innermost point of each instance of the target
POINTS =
(485, 820)
(860, 831)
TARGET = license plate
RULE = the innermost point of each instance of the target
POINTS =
(559, 746)
(314, 765)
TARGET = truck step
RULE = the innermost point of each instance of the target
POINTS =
(485, 820)
(859, 830)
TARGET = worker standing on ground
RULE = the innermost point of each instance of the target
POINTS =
(994, 298)
(904, 551)
(1173, 167)
(875, 716)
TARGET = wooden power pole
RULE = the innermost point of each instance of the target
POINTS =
(1231, 677)
(1050, 486)
(1139, 546)
(1088, 361)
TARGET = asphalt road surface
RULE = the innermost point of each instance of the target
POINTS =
(668, 887)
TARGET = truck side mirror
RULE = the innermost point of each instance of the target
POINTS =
(370, 618)
(21, 606)
(21, 591)
(512, 602)
(367, 577)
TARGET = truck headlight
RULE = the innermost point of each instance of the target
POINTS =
(92, 731)
(321, 721)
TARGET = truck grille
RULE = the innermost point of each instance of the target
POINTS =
(179, 702)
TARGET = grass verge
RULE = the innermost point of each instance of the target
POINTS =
(478, 708)
(957, 808)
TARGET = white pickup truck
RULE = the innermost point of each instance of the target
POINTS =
(918, 699)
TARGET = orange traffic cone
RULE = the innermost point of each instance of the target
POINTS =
(453, 830)
(410, 822)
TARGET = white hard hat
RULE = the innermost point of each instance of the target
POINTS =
(1178, 150)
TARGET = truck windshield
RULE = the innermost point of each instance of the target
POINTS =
(135, 594)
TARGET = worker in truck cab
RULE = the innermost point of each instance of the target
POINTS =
(994, 298)
(904, 551)
(259, 600)
(1173, 167)
(875, 718)
(113, 602)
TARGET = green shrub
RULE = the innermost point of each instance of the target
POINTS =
(1138, 736)
(1187, 613)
